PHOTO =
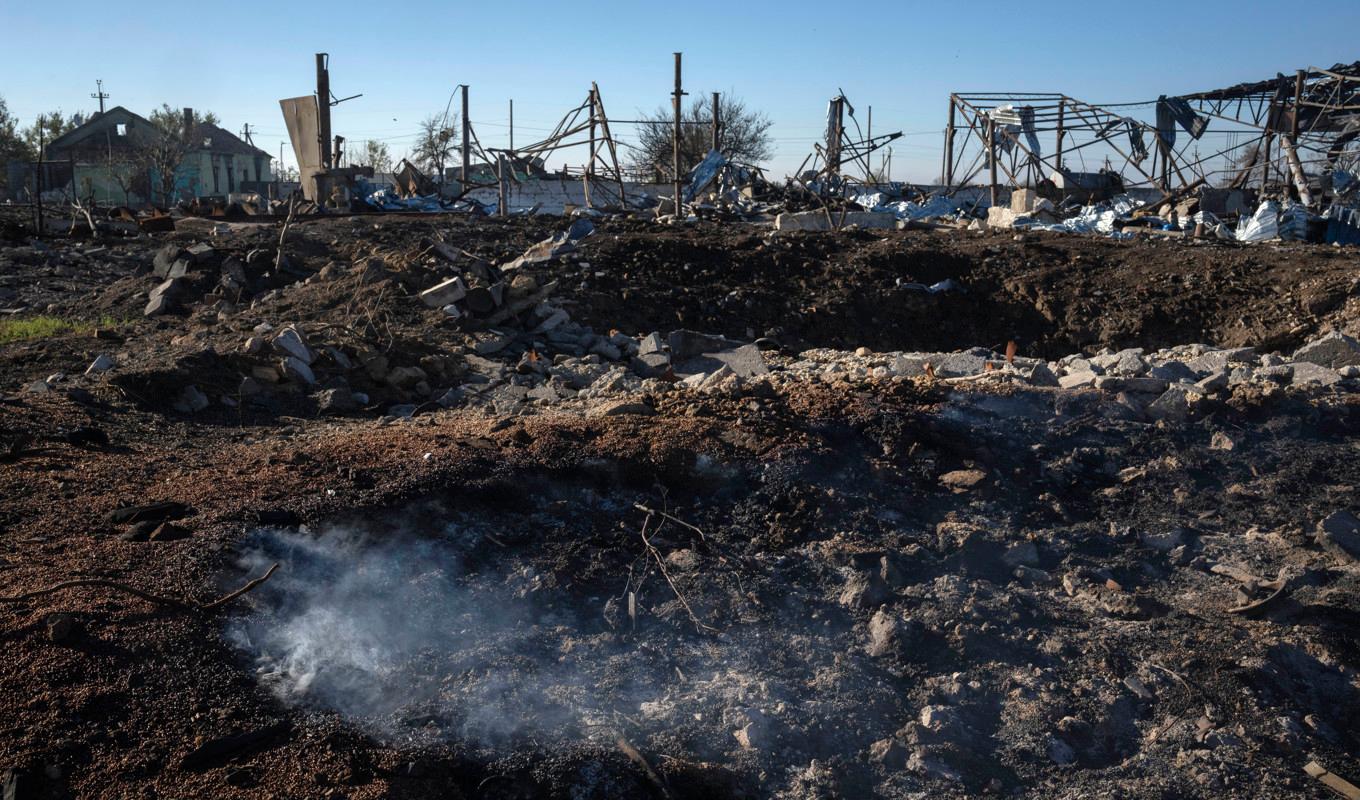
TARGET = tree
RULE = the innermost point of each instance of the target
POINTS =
(12, 144)
(172, 139)
(166, 117)
(744, 135)
(376, 155)
(434, 145)
(48, 127)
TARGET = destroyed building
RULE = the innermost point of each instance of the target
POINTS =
(518, 484)
(108, 159)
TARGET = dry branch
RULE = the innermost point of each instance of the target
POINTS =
(661, 564)
(676, 520)
(152, 598)
(652, 775)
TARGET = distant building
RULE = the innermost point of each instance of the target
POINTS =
(105, 154)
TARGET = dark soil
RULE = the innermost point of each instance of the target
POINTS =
(868, 622)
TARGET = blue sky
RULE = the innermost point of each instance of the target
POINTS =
(786, 59)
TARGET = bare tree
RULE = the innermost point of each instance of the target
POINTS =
(124, 170)
(744, 135)
(162, 151)
(434, 146)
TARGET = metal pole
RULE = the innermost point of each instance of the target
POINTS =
(675, 137)
(1298, 98)
(590, 165)
(991, 157)
(502, 187)
(717, 124)
(467, 144)
(323, 108)
(512, 124)
(833, 136)
(1062, 119)
(869, 134)
(948, 174)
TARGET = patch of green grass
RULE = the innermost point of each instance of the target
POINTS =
(43, 326)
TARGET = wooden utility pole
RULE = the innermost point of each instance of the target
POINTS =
(100, 95)
(465, 153)
(323, 108)
(675, 138)
(38, 179)
(717, 125)
(512, 124)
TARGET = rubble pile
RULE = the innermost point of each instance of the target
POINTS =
(583, 494)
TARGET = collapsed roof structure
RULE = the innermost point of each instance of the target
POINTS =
(1287, 134)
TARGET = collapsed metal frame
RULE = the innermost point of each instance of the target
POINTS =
(839, 148)
(574, 131)
(1315, 112)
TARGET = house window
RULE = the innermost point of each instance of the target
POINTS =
(122, 129)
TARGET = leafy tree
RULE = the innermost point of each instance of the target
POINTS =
(376, 155)
(48, 127)
(164, 152)
(434, 145)
(165, 117)
(12, 144)
(744, 135)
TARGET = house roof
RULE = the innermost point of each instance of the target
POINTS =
(220, 140)
(96, 124)
(207, 136)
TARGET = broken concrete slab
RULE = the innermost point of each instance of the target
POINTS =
(164, 259)
(102, 363)
(1334, 350)
(1077, 380)
(1339, 534)
(650, 365)
(1174, 404)
(443, 294)
(686, 344)
(1223, 360)
(191, 400)
(819, 221)
(289, 342)
(1114, 383)
(745, 361)
(164, 298)
(651, 343)
(1305, 373)
(297, 369)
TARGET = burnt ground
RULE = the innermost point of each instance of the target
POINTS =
(891, 587)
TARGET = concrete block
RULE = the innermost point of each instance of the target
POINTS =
(1334, 350)
(818, 221)
(440, 295)
(1308, 374)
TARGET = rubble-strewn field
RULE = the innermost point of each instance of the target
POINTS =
(528, 548)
